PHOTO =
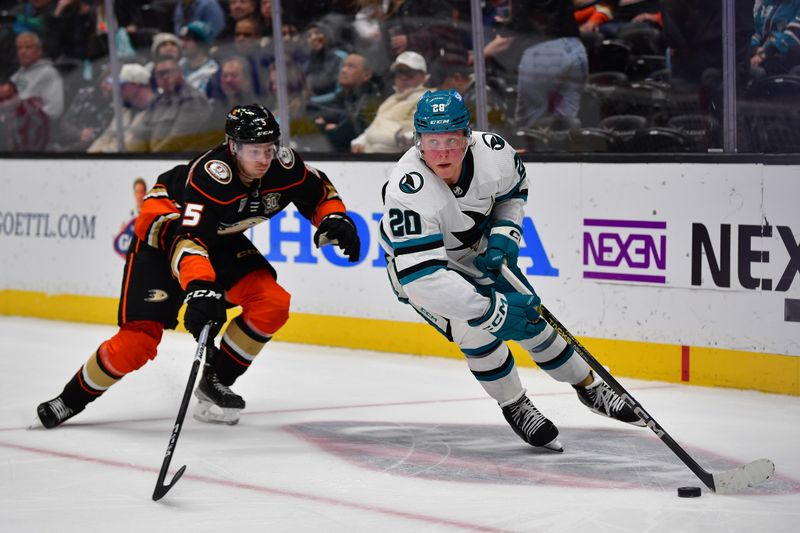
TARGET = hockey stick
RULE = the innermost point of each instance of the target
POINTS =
(727, 482)
(161, 488)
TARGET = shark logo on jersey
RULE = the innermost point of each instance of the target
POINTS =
(471, 235)
(156, 295)
(495, 142)
(411, 182)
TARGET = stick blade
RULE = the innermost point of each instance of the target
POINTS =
(161, 489)
(749, 475)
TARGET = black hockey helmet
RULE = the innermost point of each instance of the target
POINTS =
(252, 123)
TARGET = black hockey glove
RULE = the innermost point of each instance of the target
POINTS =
(338, 228)
(204, 303)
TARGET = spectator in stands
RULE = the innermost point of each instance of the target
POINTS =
(453, 71)
(24, 127)
(553, 66)
(37, 76)
(295, 89)
(173, 119)
(693, 33)
(137, 94)
(247, 40)
(208, 11)
(35, 16)
(197, 65)
(353, 108)
(239, 10)
(776, 40)
(369, 35)
(322, 70)
(164, 44)
(82, 28)
(392, 130)
(233, 86)
(430, 27)
(89, 113)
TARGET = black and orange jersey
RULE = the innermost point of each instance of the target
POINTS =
(194, 205)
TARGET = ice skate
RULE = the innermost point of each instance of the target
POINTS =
(531, 425)
(602, 399)
(53, 413)
(217, 403)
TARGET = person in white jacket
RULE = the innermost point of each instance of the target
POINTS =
(392, 130)
(37, 77)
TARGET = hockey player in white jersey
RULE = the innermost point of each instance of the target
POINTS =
(452, 216)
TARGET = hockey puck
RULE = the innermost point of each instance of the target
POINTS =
(688, 492)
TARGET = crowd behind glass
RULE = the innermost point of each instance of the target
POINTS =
(625, 76)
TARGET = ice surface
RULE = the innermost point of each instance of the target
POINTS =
(341, 440)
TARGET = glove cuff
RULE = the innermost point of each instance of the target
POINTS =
(508, 230)
(494, 317)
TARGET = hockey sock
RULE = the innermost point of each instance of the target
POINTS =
(553, 355)
(238, 348)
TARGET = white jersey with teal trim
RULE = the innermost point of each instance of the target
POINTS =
(432, 232)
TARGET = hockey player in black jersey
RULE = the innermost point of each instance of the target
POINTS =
(189, 247)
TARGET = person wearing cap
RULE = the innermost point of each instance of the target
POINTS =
(137, 94)
(165, 44)
(392, 130)
(197, 65)
(173, 121)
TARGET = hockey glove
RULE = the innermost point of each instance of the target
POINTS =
(339, 229)
(503, 246)
(511, 317)
(204, 303)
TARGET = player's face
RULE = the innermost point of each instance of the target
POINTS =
(444, 154)
(254, 160)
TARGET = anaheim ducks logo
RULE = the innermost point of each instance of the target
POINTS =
(493, 141)
(219, 170)
(156, 295)
(285, 157)
(411, 182)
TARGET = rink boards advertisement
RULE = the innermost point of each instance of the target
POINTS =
(705, 256)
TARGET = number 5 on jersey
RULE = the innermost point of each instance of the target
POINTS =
(191, 216)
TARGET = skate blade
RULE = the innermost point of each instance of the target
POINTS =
(554, 445)
(36, 424)
(213, 414)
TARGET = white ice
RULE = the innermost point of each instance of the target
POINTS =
(341, 440)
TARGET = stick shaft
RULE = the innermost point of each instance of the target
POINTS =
(161, 488)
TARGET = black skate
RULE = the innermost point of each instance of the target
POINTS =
(531, 425)
(602, 399)
(217, 403)
(53, 413)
